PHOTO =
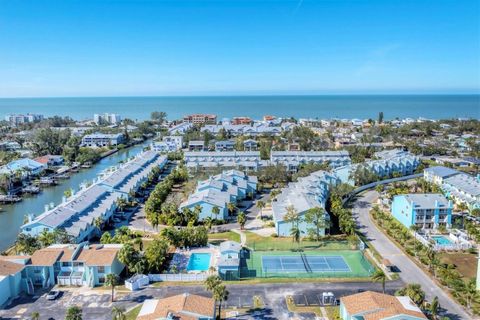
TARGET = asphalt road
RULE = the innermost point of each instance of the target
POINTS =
(409, 271)
(96, 304)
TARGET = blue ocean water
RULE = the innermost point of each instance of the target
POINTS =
(324, 106)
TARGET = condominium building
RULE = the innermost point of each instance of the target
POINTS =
(218, 191)
(427, 211)
(59, 264)
(17, 119)
(107, 118)
(200, 119)
(402, 164)
(307, 193)
(247, 159)
(102, 139)
(77, 214)
(294, 159)
(461, 187)
(241, 120)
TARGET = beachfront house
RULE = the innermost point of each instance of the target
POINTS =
(427, 211)
(182, 306)
(298, 197)
(374, 305)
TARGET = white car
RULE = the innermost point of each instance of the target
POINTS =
(53, 294)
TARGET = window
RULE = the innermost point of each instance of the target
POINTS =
(101, 269)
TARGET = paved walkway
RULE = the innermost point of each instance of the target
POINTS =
(409, 271)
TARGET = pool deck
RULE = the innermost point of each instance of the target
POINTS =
(185, 255)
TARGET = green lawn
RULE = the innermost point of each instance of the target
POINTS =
(132, 314)
(259, 243)
(216, 238)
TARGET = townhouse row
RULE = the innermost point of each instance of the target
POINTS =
(251, 160)
(393, 163)
(459, 186)
(307, 193)
(61, 264)
(77, 214)
(218, 191)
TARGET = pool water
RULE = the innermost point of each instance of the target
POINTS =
(199, 262)
(441, 240)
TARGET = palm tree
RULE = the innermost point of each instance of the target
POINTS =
(414, 228)
(35, 316)
(111, 280)
(26, 244)
(316, 217)
(216, 211)
(231, 207)
(220, 294)
(470, 293)
(208, 221)
(260, 206)
(118, 313)
(74, 313)
(98, 223)
(211, 282)
(434, 307)
(197, 210)
(127, 255)
(242, 219)
(296, 234)
(219, 291)
(380, 276)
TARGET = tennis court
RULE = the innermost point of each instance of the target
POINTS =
(304, 263)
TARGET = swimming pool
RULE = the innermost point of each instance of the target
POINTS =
(199, 262)
(442, 240)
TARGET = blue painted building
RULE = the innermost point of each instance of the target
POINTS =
(307, 193)
(459, 186)
(77, 214)
(228, 262)
(395, 162)
(61, 264)
(218, 191)
(427, 211)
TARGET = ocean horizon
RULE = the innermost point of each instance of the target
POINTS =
(432, 106)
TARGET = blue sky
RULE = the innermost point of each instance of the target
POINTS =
(117, 48)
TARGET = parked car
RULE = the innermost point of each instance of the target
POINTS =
(53, 294)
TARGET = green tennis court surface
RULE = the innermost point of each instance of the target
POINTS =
(307, 264)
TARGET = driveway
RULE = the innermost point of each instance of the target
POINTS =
(409, 271)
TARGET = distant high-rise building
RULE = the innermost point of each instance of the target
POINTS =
(16, 119)
(200, 119)
(107, 118)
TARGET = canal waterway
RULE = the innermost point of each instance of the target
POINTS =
(12, 216)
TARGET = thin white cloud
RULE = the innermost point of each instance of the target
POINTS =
(376, 59)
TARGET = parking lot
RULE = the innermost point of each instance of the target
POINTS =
(96, 303)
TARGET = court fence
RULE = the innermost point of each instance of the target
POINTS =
(353, 265)
(302, 245)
